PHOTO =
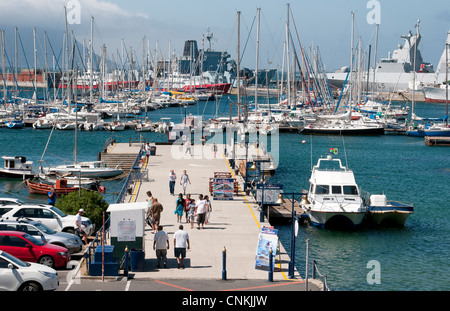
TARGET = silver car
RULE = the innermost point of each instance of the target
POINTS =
(68, 240)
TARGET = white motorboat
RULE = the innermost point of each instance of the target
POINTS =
(334, 199)
(93, 169)
(17, 167)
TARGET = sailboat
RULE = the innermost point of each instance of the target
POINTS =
(344, 124)
(93, 169)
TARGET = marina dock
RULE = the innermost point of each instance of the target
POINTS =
(437, 141)
(234, 225)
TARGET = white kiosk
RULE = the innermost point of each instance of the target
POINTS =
(128, 229)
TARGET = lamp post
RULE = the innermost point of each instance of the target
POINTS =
(294, 219)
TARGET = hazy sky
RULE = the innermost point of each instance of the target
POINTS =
(324, 23)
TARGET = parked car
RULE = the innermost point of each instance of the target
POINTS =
(27, 248)
(11, 201)
(40, 231)
(49, 215)
(16, 275)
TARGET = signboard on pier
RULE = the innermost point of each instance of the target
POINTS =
(271, 193)
(223, 188)
(267, 240)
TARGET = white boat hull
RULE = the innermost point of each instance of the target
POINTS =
(324, 219)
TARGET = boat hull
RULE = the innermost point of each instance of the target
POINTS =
(392, 214)
(40, 188)
(346, 131)
(18, 174)
(323, 219)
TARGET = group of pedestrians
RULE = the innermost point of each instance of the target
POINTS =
(184, 180)
(191, 209)
(180, 243)
(184, 206)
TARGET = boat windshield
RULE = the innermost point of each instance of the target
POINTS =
(58, 211)
(352, 190)
(322, 189)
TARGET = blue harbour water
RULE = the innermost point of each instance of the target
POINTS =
(414, 257)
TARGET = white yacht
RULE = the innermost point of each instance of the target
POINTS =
(334, 199)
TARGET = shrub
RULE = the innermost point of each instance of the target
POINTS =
(92, 202)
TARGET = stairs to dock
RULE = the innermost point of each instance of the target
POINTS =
(124, 160)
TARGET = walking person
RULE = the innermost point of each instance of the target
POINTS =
(187, 206)
(215, 150)
(208, 209)
(180, 204)
(184, 180)
(180, 243)
(156, 209)
(172, 179)
(200, 211)
(161, 245)
(191, 213)
(187, 146)
(78, 228)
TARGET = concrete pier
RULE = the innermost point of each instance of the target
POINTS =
(234, 225)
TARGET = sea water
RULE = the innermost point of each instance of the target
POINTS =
(414, 257)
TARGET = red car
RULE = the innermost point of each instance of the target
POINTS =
(28, 248)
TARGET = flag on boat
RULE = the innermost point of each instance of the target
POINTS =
(334, 151)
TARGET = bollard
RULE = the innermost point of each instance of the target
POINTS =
(224, 264)
(125, 269)
(270, 265)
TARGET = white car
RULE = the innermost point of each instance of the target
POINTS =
(49, 215)
(16, 275)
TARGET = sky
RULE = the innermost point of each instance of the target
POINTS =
(167, 24)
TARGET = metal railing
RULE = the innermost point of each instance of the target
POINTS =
(316, 273)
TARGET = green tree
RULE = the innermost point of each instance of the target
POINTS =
(92, 202)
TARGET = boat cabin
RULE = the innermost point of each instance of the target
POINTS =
(17, 163)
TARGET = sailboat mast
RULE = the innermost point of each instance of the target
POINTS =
(258, 10)
(446, 79)
(91, 60)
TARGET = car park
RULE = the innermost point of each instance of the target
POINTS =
(49, 215)
(27, 248)
(38, 230)
(17, 275)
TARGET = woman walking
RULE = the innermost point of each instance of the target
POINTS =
(179, 210)
(184, 180)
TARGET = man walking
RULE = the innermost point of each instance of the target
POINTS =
(200, 211)
(156, 209)
(172, 179)
(161, 245)
(180, 242)
(78, 228)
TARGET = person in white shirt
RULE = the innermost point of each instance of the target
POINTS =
(161, 245)
(200, 211)
(78, 228)
(180, 243)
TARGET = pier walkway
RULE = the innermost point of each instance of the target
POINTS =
(233, 225)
